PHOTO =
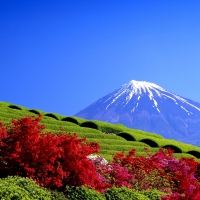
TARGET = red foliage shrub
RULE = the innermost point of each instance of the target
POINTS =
(116, 175)
(143, 172)
(160, 171)
(53, 161)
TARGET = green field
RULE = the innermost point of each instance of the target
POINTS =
(112, 138)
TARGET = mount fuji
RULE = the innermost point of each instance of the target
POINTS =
(149, 107)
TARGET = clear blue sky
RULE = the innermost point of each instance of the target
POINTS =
(60, 56)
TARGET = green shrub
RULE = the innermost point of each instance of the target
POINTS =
(19, 188)
(124, 193)
(82, 193)
(153, 194)
(55, 195)
(13, 192)
(89, 124)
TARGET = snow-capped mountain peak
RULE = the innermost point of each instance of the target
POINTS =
(147, 106)
(138, 88)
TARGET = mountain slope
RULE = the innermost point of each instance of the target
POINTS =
(149, 107)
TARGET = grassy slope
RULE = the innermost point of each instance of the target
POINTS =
(112, 138)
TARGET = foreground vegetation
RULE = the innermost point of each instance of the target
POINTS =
(36, 164)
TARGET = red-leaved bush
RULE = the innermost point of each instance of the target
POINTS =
(53, 161)
(159, 171)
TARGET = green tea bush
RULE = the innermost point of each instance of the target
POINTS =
(13, 192)
(56, 195)
(124, 193)
(108, 127)
(70, 119)
(127, 136)
(89, 124)
(140, 132)
(52, 116)
(116, 147)
(85, 130)
(14, 107)
(79, 120)
(82, 193)
(34, 111)
(19, 188)
(153, 194)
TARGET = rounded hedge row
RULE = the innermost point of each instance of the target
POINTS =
(123, 193)
(82, 193)
(19, 188)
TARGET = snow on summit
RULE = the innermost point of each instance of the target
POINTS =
(139, 85)
(138, 88)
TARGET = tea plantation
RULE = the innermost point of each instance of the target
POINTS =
(111, 137)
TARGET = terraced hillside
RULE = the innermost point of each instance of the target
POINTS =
(111, 137)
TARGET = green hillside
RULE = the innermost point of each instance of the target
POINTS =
(112, 138)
